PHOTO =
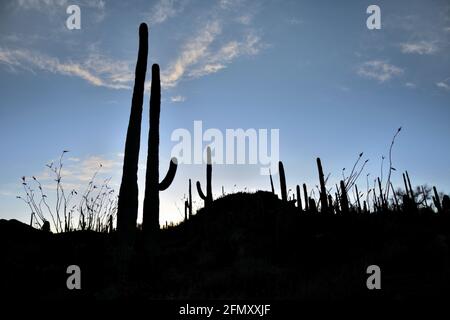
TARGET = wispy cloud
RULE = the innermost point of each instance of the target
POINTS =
(294, 21)
(95, 69)
(420, 47)
(230, 4)
(55, 7)
(176, 99)
(410, 85)
(49, 4)
(78, 171)
(379, 70)
(245, 19)
(444, 84)
(198, 58)
(165, 9)
(202, 54)
(192, 52)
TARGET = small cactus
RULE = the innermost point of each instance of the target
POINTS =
(446, 204)
(305, 195)
(312, 206)
(208, 198)
(437, 200)
(323, 190)
(299, 199)
(282, 181)
(344, 199)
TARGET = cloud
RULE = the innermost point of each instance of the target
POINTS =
(6, 193)
(164, 10)
(229, 4)
(198, 58)
(78, 171)
(202, 54)
(178, 99)
(444, 84)
(410, 85)
(420, 47)
(55, 7)
(192, 52)
(45, 5)
(379, 70)
(96, 69)
(245, 19)
(294, 21)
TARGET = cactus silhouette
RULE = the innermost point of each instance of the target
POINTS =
(305, 196)
(128, 194)
(437, 200)
(299, 199)
(323, 190)
(446, 204)
(189, 201)
(358, 202)
(282, 181)
(344, 199)
(312, 205)
(271, 182)
(208, 198)
(150, 221)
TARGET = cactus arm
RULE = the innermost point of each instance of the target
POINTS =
(200, 192)
(271, 182)
(167, 181)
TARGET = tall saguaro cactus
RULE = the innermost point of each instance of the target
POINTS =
(128, 194)
(150, 222)
(208, 198)
(282, 181)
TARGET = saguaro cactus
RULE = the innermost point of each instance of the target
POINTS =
(437, 200)
(128, 194)
(323, 190)
(150, 221)
(189, 201)
(344, 199)
(282, 181)
(208, 198)
(299, 199)
(305, 195)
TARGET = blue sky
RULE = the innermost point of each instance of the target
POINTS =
(311, 69)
